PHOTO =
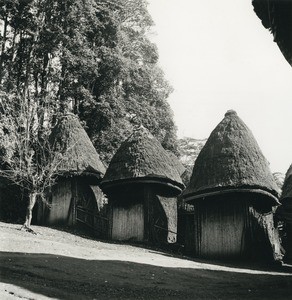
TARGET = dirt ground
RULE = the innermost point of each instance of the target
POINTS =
(55, 264)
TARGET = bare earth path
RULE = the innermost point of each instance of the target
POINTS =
(60, 265)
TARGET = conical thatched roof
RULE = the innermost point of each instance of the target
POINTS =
(79, 156)
(287, 186)
(231, 160)
(176, 163)
(141, 157)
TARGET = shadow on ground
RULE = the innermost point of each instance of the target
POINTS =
(177, 251)
(72, 278)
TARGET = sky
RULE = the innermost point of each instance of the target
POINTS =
(218, 56)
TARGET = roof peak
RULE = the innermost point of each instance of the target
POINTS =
(231, 158)
(141, 156)
(230, 112)
(78, 153)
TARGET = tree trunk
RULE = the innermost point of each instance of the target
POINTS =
(30, 206)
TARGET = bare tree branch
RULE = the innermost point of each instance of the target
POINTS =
(29, 161)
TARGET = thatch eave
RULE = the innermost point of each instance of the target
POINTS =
(142, 156)
(151, 179)
(242, 189)
(67, 174)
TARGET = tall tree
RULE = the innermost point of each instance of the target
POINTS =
(26, 158)
(93, 56)
(129, 82)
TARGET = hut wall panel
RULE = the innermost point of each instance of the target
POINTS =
(143, 212)
(169, 206)
(159, 210)
(286, 211)
(231, 227)
(264, 243)
(288, 220)
(86, 200)
(272, 234)
(288, 246)
(92, 210)
(101, 224)
(61, 210)
(128, 222)
(285, 214)
(148, 213)
(41, 210)
(98, 196)
(191, 233)
(220, 229)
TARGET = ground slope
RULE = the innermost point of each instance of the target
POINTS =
(60, 265)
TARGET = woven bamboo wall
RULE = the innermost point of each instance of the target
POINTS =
(169, 206)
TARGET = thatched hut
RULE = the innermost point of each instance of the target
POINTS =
(142, 183)
(76, 197)
(276, 15)
(12, 206)
(233, 192)
(285, 214)
(12, 202)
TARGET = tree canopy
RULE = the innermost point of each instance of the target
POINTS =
(90, 56)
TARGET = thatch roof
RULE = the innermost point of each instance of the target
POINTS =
(176, 163)
(276, 15)
(79, 156)
(142, 158)
(231, 160)
(287, 186)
